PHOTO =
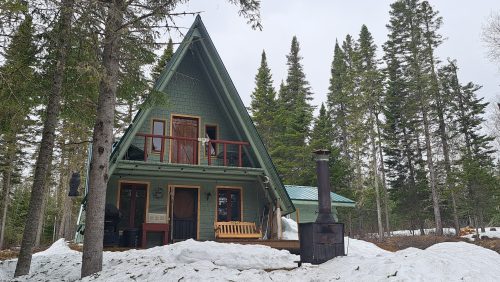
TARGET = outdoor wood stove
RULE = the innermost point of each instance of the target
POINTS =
(322, 240)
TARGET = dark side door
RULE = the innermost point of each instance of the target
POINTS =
(184, 214)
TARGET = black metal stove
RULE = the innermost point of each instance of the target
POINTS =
(324, 239)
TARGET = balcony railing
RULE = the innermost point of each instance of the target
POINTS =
(186, 150)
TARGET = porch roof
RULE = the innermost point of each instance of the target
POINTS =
(310, 194)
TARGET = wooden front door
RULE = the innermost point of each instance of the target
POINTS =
(132, 205)
(184, 213)
(184, 151)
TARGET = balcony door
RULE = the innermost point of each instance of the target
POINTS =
(185, 151)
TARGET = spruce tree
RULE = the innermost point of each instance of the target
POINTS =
(337, 101)
(163, 60)
(476, 150)
(370, 84)
(263, 104)
(18, 86)
(294, 119)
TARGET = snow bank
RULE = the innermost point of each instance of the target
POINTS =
(446, 231)
(488, 233)
(210, 261)
(290, 229)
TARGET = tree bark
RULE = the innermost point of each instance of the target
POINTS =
(39, 230)
(47, 143)
(7, 176)
(375, 177)
(382, 170)
(101, 143)
(432, 175)
(447, 163)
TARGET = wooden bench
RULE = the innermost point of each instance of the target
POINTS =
(236, 229)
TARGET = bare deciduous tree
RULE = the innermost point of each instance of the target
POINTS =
(491, 36)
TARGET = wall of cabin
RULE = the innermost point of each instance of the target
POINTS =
(309, 212)
(253, 199)
(190, 93)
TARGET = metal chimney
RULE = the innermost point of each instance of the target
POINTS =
(324, 199)
(322, 240)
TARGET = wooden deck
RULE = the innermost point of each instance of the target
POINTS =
(293, 246)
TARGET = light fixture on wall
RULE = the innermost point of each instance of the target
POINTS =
(158, 194)
(208, 195)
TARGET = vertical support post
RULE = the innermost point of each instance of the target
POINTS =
(240, 161)
(145, 148)
(279, 230)
(162, 150)
(225, 154)
(209, 152)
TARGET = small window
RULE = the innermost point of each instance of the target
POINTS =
(211, 133)
(228, 205)
(158, 129)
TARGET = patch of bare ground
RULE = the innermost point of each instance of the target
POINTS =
(396, 243)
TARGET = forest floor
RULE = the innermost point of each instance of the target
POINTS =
(397, 243)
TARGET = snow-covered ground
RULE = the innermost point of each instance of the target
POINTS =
(210, 261)
(489, 233)
(446, 231)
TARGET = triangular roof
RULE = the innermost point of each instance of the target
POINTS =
(310, 193)
(198, 38)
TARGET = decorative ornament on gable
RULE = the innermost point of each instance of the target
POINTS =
(74, 183)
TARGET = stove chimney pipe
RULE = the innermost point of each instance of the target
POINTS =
(324, 199)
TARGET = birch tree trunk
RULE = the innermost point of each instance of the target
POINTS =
(102, 141)
(47, 143)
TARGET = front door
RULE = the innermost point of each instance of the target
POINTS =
(185, 151)
(184, 213)
(132, 205)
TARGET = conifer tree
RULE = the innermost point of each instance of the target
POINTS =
(476, 161)
(17, 93)
(294, 118)
(163, 60)
(337, 101)
(47, 143)
(370, 84)
(263, 105)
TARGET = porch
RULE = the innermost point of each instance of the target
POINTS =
(157, 207)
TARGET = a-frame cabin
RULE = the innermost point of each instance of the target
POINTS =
(181, 167)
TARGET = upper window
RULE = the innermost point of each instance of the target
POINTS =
(158, 129)
(228, 204)
(211, 133)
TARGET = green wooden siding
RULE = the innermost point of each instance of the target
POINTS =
(253, 199)
(309, 212)
(189, 93)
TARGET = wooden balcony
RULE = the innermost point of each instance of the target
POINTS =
(185, 150)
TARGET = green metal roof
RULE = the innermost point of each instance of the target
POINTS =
(309, 193)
